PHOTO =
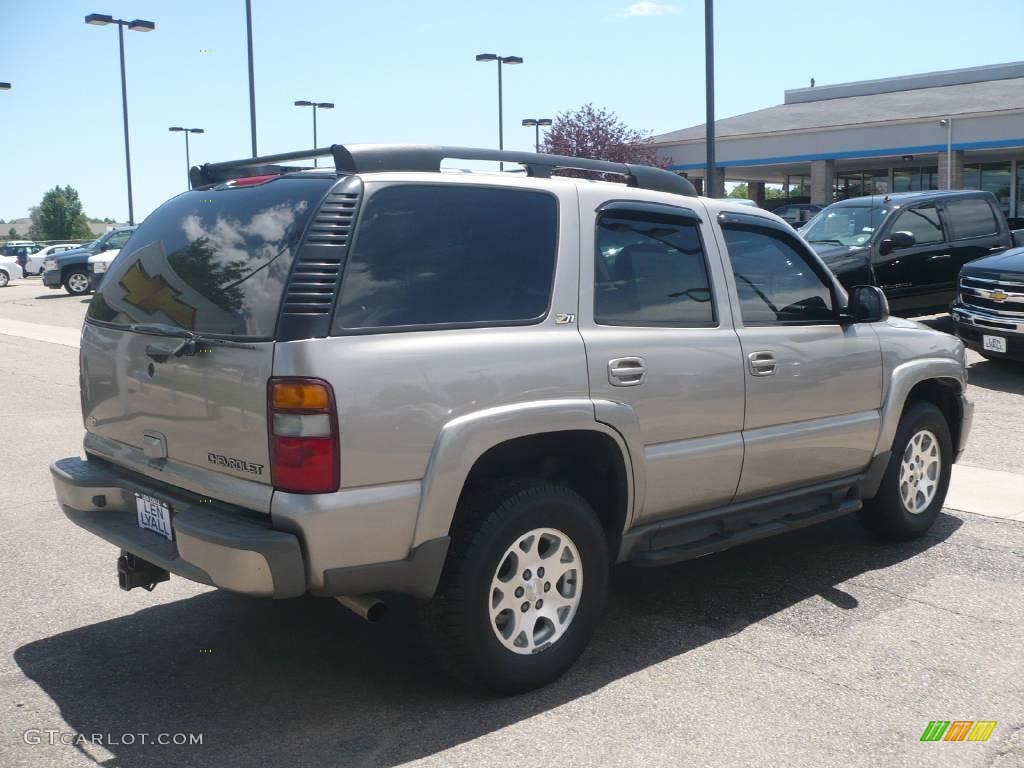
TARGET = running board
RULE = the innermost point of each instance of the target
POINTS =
(728, 539)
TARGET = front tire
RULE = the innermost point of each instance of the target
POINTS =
(523, 588)
(915, 483)
(76, 282)
(4, 279)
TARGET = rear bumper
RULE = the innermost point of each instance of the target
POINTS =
(240, 550)
(220, 547)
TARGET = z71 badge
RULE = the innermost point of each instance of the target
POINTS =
(230, 463)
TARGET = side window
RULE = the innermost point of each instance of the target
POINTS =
(971, 217)
(455, 255)
(922, 222)
(118, 240)
(649, 270)
(775, 281)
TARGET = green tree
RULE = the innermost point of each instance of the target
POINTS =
(59, 216)
(12, 233)
(598, 134)
(740, 191)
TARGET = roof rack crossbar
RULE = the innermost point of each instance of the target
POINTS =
(371, 158)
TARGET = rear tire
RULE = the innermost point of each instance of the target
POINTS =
(915, 483)
(4, 279)
(76, 282)
(523, 588)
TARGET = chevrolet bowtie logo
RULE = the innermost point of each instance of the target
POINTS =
(153, 294)
(999, 296)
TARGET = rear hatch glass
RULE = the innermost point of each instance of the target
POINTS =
(212, 263)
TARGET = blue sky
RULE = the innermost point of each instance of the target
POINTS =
(405, 72)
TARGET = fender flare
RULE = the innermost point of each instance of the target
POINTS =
(462, 441)
(903, 379)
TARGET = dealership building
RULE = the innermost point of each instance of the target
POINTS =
(962, 128)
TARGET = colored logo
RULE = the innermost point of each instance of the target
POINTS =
(999, 296)
(958, 730)
(152, 294)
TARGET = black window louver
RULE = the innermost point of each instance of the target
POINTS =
(317, 269)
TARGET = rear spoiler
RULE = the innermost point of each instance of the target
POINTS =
(376, 158)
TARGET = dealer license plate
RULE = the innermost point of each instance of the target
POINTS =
(154, 515)
(993, 343)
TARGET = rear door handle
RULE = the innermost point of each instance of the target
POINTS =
(627, 371)
(761, 363)
(995, 248)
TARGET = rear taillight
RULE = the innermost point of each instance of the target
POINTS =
(303, 436)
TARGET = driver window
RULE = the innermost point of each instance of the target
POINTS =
(775, 282)
(649, 270)
(922, 222)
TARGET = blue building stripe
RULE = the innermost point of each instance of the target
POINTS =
(996, 144)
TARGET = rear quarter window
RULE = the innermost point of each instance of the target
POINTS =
(211, 261)
(971, 217)
(433, 255)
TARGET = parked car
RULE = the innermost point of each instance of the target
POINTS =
(34, 265)
(98, 266)
(70, 269)
(10, 269)
(739, 201)
(21, 251)
(988, 313)
(912, 245)
(797, 214)
(515, 418)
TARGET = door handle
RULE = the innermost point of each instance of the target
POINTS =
(940, 257)
(627, 371)
(995, 248)
(761, 363)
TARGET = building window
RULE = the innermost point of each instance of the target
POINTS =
(991, 177)
(798, 187)
(915, 179)
(861, 183)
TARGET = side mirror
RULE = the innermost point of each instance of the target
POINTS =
(867, 305)
(895, 241)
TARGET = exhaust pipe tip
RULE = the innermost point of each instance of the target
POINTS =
(367, 607)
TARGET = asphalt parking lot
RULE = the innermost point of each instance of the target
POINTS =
(819, 648)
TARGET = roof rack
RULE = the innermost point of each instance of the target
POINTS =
(374, 158)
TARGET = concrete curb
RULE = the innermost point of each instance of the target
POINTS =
(54, 334)
(986, 492)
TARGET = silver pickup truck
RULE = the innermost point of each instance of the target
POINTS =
(485, 389)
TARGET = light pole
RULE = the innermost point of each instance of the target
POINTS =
(252, 82)
(136, 25)
(710, 182)
(501, 60)
(188, 162)
(5, 86)
(315, 105)
(536, 124)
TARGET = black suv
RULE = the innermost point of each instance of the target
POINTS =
(912, 245)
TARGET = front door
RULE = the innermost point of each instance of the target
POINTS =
(917, 277)
(655, 318)
(813, 386)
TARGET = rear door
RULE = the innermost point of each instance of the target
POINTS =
(813, 386)
(976, 230)
(655, 316)
(213, 262)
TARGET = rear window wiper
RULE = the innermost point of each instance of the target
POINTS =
(190, 341)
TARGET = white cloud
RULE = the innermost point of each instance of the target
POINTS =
(649, 8)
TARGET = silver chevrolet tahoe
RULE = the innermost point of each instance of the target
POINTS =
(484, 389)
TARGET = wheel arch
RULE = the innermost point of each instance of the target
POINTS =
(552, 440)
(940, 381)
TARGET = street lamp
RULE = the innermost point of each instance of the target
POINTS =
(252, 81)
(536, 124)
(5, 86)
(188, 163)
(315, 105)
(710, 180)
(501, 60)
(136, 25)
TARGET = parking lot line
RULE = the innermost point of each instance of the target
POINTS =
(54, 334)
(986, 492)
